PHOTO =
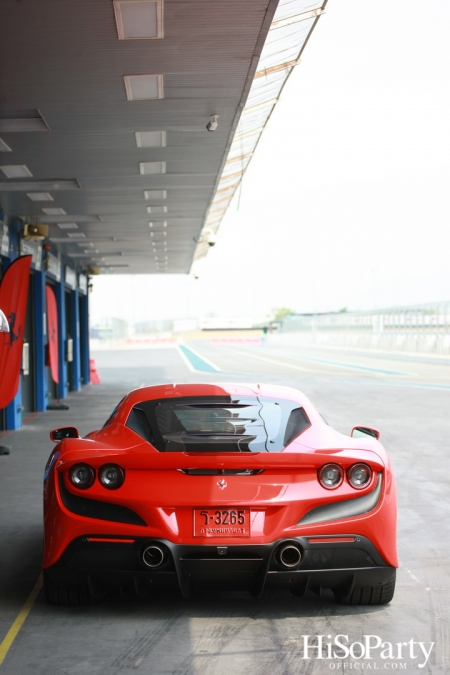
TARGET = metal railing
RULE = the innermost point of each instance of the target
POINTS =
(418, 328)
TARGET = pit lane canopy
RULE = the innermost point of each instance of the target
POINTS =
(103, 114)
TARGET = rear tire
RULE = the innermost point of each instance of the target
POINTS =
(63, 594)
(368, 595)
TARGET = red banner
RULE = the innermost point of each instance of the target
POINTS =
(52, 332)
(13, 302)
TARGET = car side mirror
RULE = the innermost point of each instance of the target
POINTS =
(362, 432)
(64, 432)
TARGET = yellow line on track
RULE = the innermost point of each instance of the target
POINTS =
(18, 623)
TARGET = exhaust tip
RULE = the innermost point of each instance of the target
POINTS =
(289, 555)
(153, 556)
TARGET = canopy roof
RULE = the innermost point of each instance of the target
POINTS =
(104, 107)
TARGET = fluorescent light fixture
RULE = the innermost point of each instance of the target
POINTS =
(54, 212)
(62, 240)
(4, 147)
(76, 235)
(157, 209)
(16, 171)
(23, 120)
(29, 185)
(68, 218)
(155, 194)
(21, 125)
(143, 87)
(40, 196)
(152, 167)
(67, 226)
(86, 254)
(139, 19)
(163, 223)
(110, 254)
(151, 139)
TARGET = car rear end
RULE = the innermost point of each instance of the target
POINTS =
(232, 498)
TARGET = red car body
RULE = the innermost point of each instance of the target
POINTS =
(194, 517)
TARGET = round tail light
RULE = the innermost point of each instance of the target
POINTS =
(331, 476)
(359, 475)
(111, 476)
(82, 476)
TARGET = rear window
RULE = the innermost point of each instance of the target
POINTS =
(218, 424)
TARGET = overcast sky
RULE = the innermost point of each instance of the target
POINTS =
(346, 202)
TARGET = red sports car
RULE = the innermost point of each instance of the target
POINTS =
(224, 486)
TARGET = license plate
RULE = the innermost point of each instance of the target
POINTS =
(221, 522)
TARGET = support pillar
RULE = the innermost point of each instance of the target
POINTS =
(40, 339)
(62, 335)
(84, 339)
(75, 321)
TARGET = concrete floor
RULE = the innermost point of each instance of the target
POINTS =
(229, 634)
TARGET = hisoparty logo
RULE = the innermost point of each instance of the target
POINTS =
(371, 653)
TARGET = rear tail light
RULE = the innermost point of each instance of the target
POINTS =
(111, 476)
(359, 475)
(331, 476)
(82, 476)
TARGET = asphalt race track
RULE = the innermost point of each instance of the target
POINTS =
(408, 400)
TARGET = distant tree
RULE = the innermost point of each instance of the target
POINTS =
(280, 312)
(343, 310)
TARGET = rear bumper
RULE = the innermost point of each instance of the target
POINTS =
(333, 563)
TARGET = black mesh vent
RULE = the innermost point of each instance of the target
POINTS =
(91, 508)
